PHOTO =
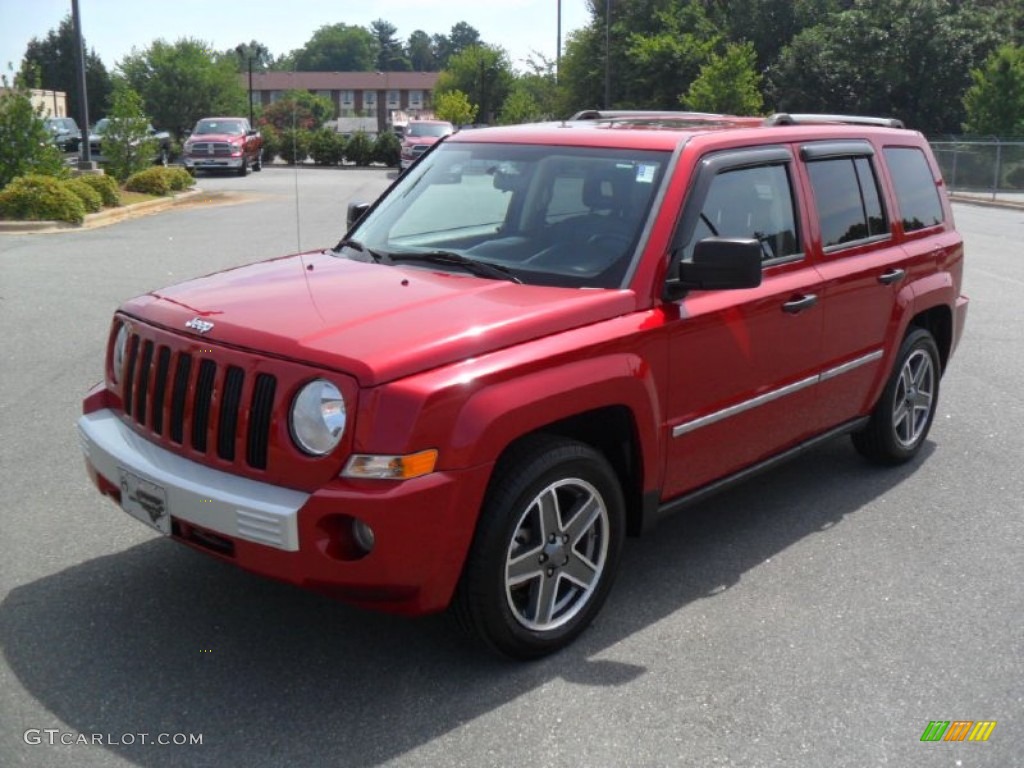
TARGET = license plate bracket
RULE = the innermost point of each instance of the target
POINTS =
(144, 500)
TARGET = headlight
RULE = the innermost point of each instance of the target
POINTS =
(120, 349)
(317, 419)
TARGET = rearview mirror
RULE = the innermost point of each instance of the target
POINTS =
(356, 211)
(719, 263)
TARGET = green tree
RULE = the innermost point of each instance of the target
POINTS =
(182, 82)
(127, 145)
(421, 52)
(391, 56)
(481, 72)
(728, 83)
(904, 58)
(995, 101)
(462, 37)
(262, 59)
(298, 109)
(25, 147)
(337, 48)
(535, 95)
(51, 63)
(454, 106)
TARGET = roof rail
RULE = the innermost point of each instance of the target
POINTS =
(784, 118)
(612, 114)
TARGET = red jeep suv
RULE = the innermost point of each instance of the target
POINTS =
(539, 340)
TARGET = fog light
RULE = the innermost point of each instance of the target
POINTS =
(363, 534)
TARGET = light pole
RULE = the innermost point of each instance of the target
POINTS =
(85, 162)
(607, 54)
(241, 50)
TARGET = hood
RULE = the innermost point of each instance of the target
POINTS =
(372, 321)
(204, 137)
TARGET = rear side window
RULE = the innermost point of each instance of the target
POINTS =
(916, 191)
(846, 195)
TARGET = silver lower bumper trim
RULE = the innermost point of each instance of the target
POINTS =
(221, 502)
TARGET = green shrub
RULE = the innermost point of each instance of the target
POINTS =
(41, 198)
(179, 178)
(271, 143)
(1015, 178)
(105, 185)
(294, 146)
(91, 199)
(359, 149)
(327, 147)
(25, 146)
(152, 181)
(387, 149)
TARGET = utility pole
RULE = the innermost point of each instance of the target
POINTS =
(85, 162)
(607, 54)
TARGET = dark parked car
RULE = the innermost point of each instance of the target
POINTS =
(161, 156)
(65, 132)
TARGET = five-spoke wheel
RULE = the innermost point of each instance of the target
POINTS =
(900, 421)
(546, 548)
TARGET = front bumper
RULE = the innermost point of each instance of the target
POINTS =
(422, 527)
(212, 163)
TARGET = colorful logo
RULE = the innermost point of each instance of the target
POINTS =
(958, 730)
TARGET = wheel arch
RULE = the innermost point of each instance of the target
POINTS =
(938, 321)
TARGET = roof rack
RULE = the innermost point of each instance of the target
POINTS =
(613, 114)
(784, 118)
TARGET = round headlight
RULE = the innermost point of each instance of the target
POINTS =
(318, 417)
(120, 349)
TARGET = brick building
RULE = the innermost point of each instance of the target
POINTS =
(354, 94)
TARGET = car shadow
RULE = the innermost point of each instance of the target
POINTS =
(161, 639)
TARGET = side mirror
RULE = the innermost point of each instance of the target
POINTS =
(356, 211)
(718, 263)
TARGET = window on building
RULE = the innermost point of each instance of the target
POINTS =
(394, 99)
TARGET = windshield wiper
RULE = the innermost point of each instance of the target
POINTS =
(450, 258)
(355, 245)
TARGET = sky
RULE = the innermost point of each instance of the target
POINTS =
(113, 27)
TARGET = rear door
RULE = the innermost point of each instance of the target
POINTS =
(742, 363)
(863, 270)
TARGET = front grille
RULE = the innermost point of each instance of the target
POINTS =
(211, 149)
(197, 403)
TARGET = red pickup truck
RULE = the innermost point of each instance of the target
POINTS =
(223, 144)
(539, 340)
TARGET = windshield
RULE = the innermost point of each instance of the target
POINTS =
(231, 127)
(566, 216)
(429, 129)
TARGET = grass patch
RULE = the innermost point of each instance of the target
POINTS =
(130, 198)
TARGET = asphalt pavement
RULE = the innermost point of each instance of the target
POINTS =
(821, 615)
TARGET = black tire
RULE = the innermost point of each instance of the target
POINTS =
(258, 165)
(904, 413)
(546, 548)
(243, 169)
(164, 157)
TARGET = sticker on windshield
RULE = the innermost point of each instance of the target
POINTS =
(645, 173)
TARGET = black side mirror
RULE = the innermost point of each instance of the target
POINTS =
(719, 263)
(356, 211)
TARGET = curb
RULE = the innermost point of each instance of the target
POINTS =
(983, 203)
(98, 219)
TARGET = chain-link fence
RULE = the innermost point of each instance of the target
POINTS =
(989, 167)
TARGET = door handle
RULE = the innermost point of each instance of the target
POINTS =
(800, 304)
(891, 276)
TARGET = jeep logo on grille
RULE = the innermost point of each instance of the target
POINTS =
(198, 324)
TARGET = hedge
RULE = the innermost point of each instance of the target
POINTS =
(41, 198)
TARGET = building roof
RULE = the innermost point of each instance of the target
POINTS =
(333, 81)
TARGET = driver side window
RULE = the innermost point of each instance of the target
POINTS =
(752, 202)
